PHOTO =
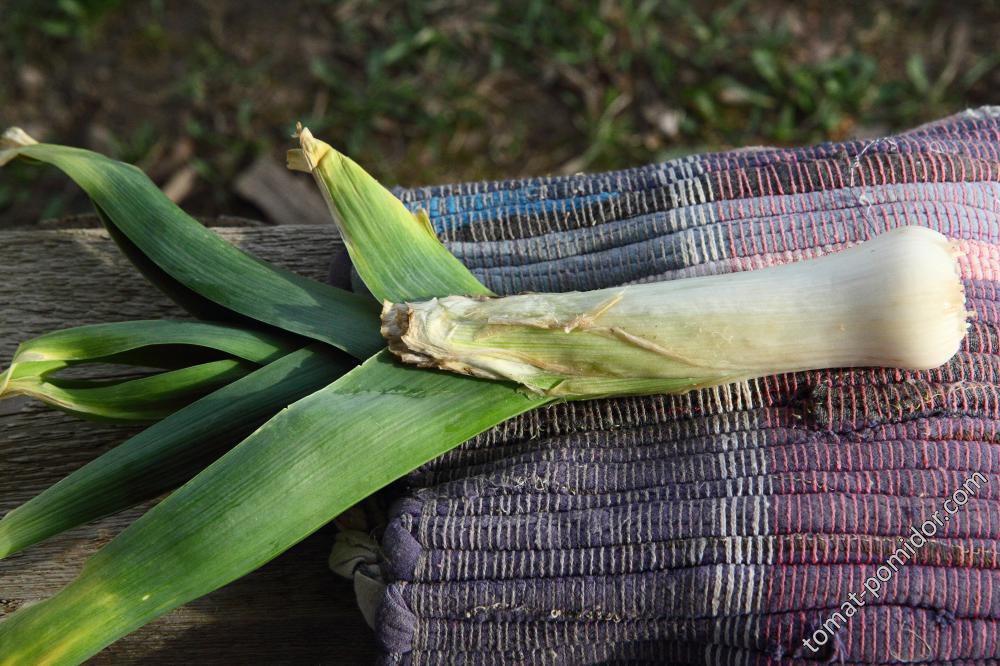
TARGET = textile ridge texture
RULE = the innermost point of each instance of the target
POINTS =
(726, 525)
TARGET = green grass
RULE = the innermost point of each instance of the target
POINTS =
(425, 92)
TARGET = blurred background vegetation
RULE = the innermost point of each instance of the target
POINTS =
(436, 90)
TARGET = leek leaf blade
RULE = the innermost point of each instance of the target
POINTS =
(303, 467)
(310, 462)
(166, 454)
(204, 263)
(188, 299)
(394, 251)
(98, 342)
(142, 399)
(200, 357)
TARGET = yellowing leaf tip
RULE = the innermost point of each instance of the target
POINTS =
(12, 139)
(15, 137)
(313, 150)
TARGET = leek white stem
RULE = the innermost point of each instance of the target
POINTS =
(894, 301)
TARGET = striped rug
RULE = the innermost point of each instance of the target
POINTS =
(728, 525)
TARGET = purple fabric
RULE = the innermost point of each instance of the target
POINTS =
(726, 525)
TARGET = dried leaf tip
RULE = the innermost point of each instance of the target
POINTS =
(310, 152)
(12, 139)
(15, 137)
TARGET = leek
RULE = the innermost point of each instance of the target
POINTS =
(894, 301)
(335, 446)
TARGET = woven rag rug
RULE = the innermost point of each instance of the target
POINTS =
(724, 526)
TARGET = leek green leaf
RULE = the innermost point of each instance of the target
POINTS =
(204, 263)
(300, 469)
(101, 342)
(193, 302)
(141, 399)
(303, 467)
(394, 251)
(168, 453)
(202, 357)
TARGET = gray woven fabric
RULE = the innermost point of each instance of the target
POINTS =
(722, 526)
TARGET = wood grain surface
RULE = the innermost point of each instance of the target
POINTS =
(291, 611)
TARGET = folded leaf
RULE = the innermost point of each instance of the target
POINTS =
(190, 300)
(143, 399)
(204, 263)
(170, 452)
(202, 357)
(161, 337)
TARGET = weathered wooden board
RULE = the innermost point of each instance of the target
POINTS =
(291, 611)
